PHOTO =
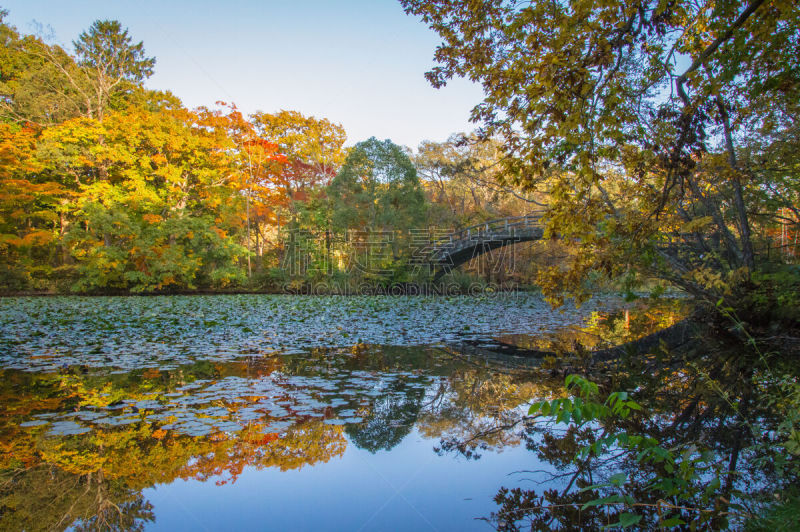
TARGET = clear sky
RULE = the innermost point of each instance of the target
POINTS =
(360, 63)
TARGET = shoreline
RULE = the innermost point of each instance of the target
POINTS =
(390, 291)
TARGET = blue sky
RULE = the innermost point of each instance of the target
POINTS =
(356, 62)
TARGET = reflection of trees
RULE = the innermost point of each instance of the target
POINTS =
(303, 444)
(713, 404)
(706, 404)
(94, 480)
(626, 327)
(364, 357)
(391, 418)
(469, 400)
(464, 402)
(634, 321)
(46, 497)
(477, 408)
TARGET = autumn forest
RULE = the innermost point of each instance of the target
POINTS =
(110, 187)
(583, 314)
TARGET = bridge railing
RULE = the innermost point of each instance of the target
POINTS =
(505, 226)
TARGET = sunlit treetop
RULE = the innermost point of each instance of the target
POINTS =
(633, 115)
(571, 82)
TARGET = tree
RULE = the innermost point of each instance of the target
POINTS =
(377, 188)
(634, 114)
(33, 87)
(376, 199)
(313, 150)
(44, 85)
(109, 59)
(461, 174)
(313, 146)
(28, 209)
(164, 211)
(262, 174)
(107, 67)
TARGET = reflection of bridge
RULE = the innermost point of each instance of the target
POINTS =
(460, 246)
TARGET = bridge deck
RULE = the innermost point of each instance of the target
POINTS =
(460, 246)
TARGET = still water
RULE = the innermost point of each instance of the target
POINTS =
(264, 412)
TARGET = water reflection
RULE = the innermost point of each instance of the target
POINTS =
(703, 452)
(87, 446)
(618, 325)
(79, 447)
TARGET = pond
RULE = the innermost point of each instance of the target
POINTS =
(267, 412)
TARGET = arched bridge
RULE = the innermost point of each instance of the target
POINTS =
(458, 247)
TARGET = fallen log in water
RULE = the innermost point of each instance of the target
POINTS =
(670, 338)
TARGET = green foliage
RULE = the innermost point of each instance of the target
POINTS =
(775, 296)
(377, 188)
(33, 79)
(108, 49)
(779, 449)
(685, 479)
(778, 516)
(584, 408)
(125, 253)
(111, 63)
(373, 204)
